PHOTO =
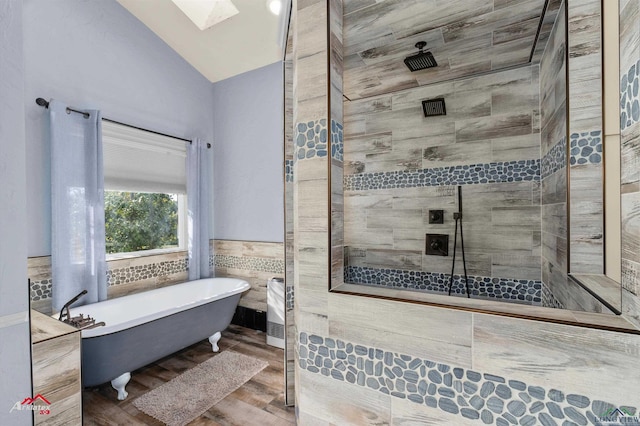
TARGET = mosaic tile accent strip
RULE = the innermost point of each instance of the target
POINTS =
(549, 300)
(142, 272)
(40, 290)
(630, 97)
(289, 299)
(288, 171)
(337, 141)
(555, 159)
(519, 291)
(586, 148)
(249, 263)
(311, 139)
(513, 171)
(473, 395)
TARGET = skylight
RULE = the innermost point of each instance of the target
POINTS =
(207, 13)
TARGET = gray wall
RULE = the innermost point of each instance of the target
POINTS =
(95, 54)
(15, 353)
(248, 181)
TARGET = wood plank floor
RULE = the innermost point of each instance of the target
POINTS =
(260, 401)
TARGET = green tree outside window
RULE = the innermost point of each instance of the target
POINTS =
(136, 221)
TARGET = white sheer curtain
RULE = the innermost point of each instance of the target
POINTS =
(199, 183)
(77, 206)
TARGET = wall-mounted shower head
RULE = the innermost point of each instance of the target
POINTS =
(422, 60)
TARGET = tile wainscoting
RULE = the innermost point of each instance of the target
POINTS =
(124, 276)
(255, 262)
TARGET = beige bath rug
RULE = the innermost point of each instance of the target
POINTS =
(189, 395)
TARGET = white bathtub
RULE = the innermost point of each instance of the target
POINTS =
(142, 328)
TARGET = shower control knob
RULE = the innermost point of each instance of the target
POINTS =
(436, 216)
(436, 245)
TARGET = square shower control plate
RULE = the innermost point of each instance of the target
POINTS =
(436, 216)
(437, 245)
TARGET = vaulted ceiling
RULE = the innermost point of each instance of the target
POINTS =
(466, 37)
(248, 40)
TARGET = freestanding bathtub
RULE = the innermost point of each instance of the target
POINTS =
(144, 327)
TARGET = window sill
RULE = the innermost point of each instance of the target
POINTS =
(144, 253)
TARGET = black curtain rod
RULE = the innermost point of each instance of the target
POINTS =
(43, 103)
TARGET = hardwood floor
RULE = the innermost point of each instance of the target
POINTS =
(260, 401)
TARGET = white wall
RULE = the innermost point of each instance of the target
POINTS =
(15, 344)
(95, 54)
(248, 156)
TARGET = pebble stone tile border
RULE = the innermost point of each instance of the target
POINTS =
(290, 301)
(40, 290)
(586, 148)
(630, 97)
(131, 274)
(311, 139)
(337, 141)
(249, 263)
(549, 299)
(520, 291)
(555, 159)
(473, 395)
(288, 171)
(513, 171)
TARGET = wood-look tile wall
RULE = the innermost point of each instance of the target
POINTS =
(595, 369)
(553, 122)
(466, 38)
(492, 118)
(56, 371)
(256, 262)
(630, 156)
(586, 233)
(253, 261)
(125, 276)
(290, 360)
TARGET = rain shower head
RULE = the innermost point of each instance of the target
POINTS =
(434, 107)
(422, 60)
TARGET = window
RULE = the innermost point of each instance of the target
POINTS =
(136, 221)
(145, 190)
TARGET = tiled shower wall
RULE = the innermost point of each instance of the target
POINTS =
(399, 165)
(553, 137)
(630, 156)
(373, 361)
(586, 233)
(579, 248)
(255, 262)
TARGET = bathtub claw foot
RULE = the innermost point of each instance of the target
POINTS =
(214, 341)
(119, 383)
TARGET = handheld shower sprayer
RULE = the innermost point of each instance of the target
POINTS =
(457, 216)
